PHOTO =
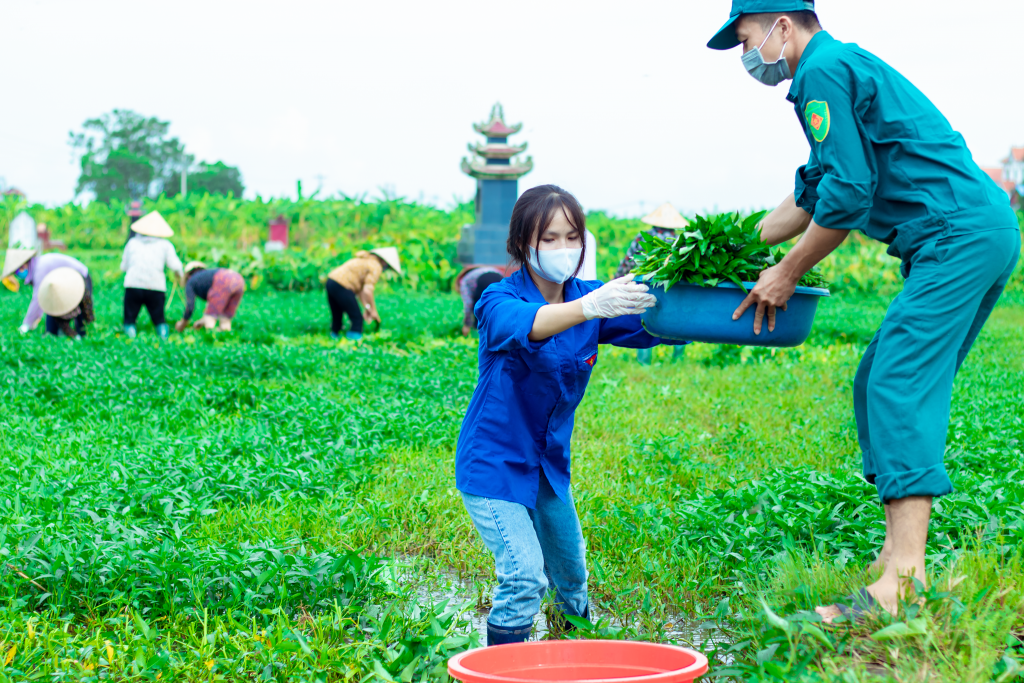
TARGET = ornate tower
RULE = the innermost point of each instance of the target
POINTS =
(497, 175)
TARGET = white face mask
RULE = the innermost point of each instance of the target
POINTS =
(555, 265)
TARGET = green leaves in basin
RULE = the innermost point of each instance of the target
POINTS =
(711, 251)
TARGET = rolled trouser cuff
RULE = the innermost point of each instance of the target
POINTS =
(870, 467)
(927, 481)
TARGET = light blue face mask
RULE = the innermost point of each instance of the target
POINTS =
(768, 73)
(555, 265)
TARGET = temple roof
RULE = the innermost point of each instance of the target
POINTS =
(497, 150)
(496, 128)
(484, 171)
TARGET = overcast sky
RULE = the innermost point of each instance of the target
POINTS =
(621, 102)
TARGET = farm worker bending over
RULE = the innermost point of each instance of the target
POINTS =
(884, 161)
(350, 288)
(539, 334)
(33, 269)
(66, 296)
(471, 288)
(221, 288)
(146, 256)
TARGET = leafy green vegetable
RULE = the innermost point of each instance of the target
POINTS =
(713, 250)
(209, 508)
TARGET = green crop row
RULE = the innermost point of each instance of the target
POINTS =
(206, 221)
(224, 229)
(325, 232)
(115, 467)
(214, 507)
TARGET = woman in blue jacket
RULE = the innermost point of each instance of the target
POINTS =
(539, 334)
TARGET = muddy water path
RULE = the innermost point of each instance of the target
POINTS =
(431, 584)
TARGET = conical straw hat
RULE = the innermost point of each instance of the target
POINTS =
(390, 256)
(14, 259)
(665, 216)
(194, 265)
(61, 291)
(152, 225)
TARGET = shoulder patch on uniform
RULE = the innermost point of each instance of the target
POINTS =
(818, 119)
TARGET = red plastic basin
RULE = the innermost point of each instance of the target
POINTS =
(593, 661)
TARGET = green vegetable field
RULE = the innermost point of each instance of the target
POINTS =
(269, 505)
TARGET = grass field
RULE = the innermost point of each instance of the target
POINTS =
(270, 505)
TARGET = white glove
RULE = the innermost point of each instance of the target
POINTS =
(23, 329)
(618, 297)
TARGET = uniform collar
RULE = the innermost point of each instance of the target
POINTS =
(531, 294)
(820, 38)
(527, 289)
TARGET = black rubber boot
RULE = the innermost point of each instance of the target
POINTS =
(500, 635)
(559, 624)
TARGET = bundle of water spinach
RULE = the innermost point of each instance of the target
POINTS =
(722, 248)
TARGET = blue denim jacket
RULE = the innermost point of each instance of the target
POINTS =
(521, 415)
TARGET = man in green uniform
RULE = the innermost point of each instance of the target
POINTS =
(886, 162)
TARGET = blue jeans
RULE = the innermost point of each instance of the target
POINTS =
(533, 549)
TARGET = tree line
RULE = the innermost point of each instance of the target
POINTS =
(127, 156)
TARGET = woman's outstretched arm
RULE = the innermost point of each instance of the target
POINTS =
(554, 318)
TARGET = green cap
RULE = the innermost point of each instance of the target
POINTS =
(725, 39)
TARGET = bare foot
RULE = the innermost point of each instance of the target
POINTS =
(225, 325)
(831, 612)
(902, 555)
(885, 592)
(828, 613)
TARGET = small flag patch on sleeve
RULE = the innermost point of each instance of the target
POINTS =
(818, 119)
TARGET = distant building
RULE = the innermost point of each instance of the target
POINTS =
(1010, 176)
(1013, 166)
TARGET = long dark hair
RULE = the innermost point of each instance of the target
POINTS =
(534, 212)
